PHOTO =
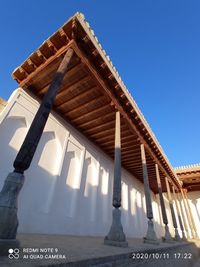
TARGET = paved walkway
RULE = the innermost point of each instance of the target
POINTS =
(52, 250)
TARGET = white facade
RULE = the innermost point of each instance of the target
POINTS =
(68, 188)
(194, 202)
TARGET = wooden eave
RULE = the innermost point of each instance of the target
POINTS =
(91, 93)
(190, 177)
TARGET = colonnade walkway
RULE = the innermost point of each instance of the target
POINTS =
(74, 251)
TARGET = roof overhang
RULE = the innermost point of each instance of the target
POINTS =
(91, 93)
(190, 176)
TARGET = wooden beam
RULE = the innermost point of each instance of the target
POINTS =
(127, 138)
(103, 132)
(124, 152)
(76, 98)
(132, 159)
(100, 126)
(132, 142)
(129, 145)
(96, 121)
(90, 113)
(73, 86)
(85, 105)
(106, 131)
(134, 147)
(100, 139)
(132, 164)
(109, 137)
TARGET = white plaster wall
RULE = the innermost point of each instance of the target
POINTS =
(68, 188)
(186, 221)
(194, 203)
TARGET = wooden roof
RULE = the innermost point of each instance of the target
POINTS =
(190, 176)
(89, 96)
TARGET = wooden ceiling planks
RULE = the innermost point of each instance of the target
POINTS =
(89, 97)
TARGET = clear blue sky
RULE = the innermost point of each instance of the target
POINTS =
(155, 46)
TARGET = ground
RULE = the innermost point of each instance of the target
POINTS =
(90, 251)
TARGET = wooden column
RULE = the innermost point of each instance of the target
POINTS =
(116, 236)
(15, 180)
(178, 213)
(27, 150)
(117, 165)
(167, 237)
(190, 214)
(151, 235)
(177, 236)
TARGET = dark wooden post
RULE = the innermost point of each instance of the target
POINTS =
(27, 150)
(116, 236)
(178, 213)
(167, 237)
(151, 235)
(15, 180)
(183, 214)
(176, 236)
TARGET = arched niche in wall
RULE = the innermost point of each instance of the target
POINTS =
(139, 218)
(40, 179)
(69, 181)
(125, 201)
(104, 202)
(82, 215)
(195, 201)
(90, 196)
(13, 130)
